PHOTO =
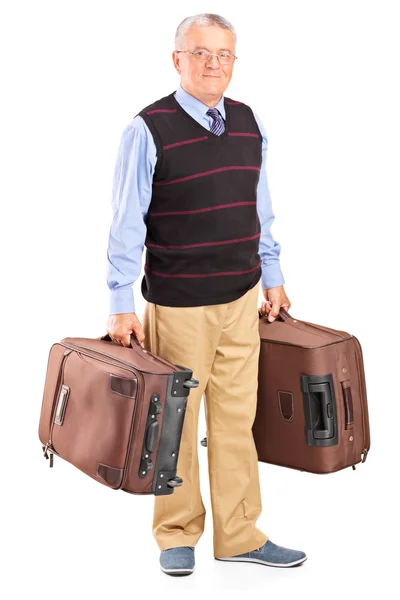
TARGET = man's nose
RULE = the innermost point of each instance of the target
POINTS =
(213, 62)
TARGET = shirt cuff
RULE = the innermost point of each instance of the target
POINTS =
(121, 301)
(271, 276)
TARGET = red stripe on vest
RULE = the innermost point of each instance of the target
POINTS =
(161, 110)
(202, 274)
(247, 134)
(233, 168)
(201, 244)
(198, 210)
(200, 139)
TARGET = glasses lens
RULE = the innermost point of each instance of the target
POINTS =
(224, 57)
(201, 55)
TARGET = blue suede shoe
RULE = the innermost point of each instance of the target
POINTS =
(270, 554)
(177, 561)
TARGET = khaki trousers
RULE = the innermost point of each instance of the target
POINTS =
(221, 344)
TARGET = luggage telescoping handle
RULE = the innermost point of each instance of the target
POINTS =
(283, 315)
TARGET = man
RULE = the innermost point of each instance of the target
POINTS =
(190, 182)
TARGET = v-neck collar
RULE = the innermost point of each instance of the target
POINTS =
(198, 125)
(195, 107)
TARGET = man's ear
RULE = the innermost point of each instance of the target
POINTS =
(175, 59)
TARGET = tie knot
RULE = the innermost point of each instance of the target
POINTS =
(217, 126)
(213, 112)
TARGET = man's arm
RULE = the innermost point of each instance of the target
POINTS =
(131, 196)
(269, 249)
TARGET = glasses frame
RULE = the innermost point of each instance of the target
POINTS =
(210, 55)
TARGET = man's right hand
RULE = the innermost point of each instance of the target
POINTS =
(119, 328)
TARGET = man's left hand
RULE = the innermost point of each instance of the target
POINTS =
(275, 298)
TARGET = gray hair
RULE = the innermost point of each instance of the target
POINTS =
(207, 19)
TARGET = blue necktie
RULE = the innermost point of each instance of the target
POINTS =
(217, 126)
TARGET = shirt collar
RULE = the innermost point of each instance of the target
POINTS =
(196, 105)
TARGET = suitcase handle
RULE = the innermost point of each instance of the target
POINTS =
(283, 315)
(133, 338)
(325, 417)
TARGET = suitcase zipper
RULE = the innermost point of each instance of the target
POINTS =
(360, 362)
(119, 360)
(321, 328)
(48, 448)
(139, 400)
(115, 362)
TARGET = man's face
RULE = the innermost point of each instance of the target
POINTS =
(205, 80)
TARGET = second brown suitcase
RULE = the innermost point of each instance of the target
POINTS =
(312, 412)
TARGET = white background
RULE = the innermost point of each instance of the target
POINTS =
(323, 77)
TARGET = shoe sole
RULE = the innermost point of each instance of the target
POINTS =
(264, 562)
(177, 571)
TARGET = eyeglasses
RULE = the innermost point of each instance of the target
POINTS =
(225, 58)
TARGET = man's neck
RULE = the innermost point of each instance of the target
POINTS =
(209, 100)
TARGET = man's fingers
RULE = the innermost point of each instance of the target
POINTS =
(265, 307)
(126, 341)
(274, 312)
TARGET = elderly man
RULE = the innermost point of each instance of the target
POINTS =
(190, 184)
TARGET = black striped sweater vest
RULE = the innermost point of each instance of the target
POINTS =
(203, 228)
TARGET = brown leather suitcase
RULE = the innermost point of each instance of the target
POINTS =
(115, 413)
(312, 412)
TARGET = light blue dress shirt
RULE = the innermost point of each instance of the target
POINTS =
(131, 197)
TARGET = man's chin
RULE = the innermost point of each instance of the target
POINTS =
(214, 85)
